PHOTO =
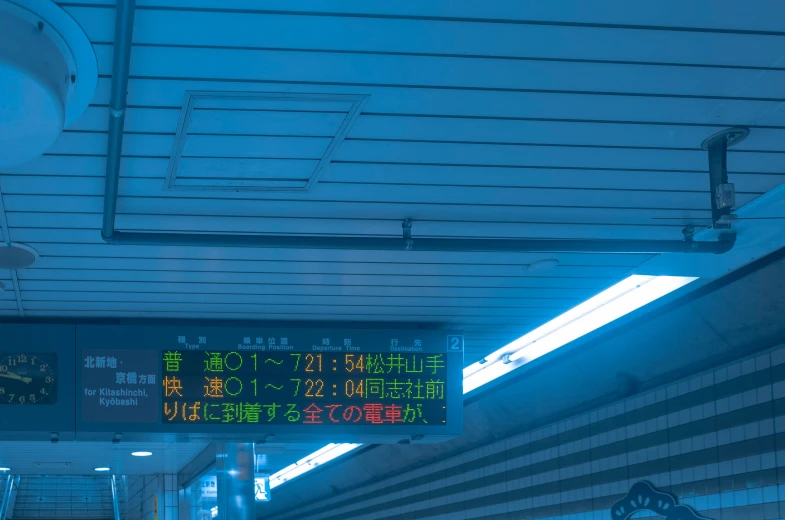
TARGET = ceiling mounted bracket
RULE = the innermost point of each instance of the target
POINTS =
(723, 193)
(689, 233)
(265, 439)
(407, 234)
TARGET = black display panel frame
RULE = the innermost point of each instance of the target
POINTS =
(142, 340)
(39, 421)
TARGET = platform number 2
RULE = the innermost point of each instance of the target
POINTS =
(455, 343)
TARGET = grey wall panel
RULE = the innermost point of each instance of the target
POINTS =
(715, 440)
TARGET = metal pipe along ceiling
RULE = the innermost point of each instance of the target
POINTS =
(421, 244)
(124, 31)
(124, 23)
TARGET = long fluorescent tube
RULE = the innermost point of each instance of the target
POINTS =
(317, 458)
(611, 304)
(629, 295)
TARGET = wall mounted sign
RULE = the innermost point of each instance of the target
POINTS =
(304, 388)
(118, 385)
(146, 382)
(262, 487)
(209, 487)
(644, 497)
(400, 383)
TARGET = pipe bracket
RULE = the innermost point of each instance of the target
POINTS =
(407, 234)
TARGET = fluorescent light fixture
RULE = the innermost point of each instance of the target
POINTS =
(611, 304)
(317, 458)
(141, 453)
(5, 469)
(102, 469)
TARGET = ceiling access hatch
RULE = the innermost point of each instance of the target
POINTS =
(258, 142)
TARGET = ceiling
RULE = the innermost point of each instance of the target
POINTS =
(81, 458)
(499, 119)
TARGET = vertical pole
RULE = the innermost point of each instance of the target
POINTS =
(7, 489)
(720, 191)
(115, 498)
(718, 175)
(235, 466)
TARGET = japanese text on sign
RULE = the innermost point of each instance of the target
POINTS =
(239, 387)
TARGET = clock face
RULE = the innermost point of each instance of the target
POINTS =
(28, 378)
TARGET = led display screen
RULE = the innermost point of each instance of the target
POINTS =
(304, 388)
(202, 383)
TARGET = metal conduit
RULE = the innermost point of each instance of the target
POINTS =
(124, 24)
(123, 36)
(423, 244)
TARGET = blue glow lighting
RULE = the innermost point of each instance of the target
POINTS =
(611, 304)
(627, 296)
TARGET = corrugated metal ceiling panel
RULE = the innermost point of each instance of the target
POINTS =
(492, 119)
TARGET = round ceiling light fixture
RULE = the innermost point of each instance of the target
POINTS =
(48, 75)
(141, 453)
(17, 256)
(542, 265)
(731, 136)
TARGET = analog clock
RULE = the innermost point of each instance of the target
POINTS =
(28, 378)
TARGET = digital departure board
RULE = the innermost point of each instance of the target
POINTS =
(202, 383)
(311, 388)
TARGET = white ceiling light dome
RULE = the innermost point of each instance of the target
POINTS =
(48, 75)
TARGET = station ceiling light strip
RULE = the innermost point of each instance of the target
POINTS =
(306, 464)
(627, 296)
(611, 304)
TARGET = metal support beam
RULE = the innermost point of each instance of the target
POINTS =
(236, 469)
(197, 467)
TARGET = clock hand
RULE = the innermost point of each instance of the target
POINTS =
(11, 375)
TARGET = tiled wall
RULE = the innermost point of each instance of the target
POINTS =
(142, 493)
(716, 440)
